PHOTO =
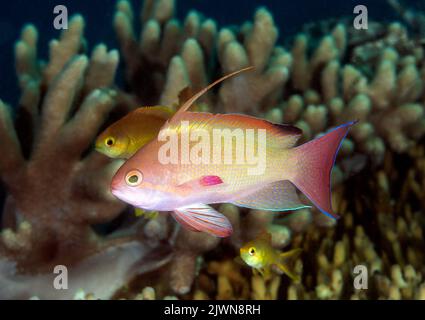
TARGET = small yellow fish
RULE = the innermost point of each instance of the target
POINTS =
(261, 256)
(124, 137)
(146, 214)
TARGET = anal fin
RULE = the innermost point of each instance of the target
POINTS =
(276, 196)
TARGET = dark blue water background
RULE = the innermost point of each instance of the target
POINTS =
(289, 16)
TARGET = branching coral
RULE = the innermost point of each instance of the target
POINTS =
(350, 74)
(161, 38)
(384, 233)
(226, 279)
(262, 87)
(183, 269)
(390, 245)
(347, 76)
(386, 95)
(414, 18)
(189, 246)
(59, 189)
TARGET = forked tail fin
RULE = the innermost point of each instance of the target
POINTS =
(314, 162)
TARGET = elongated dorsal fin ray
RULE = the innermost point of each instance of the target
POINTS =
(197, 95)
(184, 95)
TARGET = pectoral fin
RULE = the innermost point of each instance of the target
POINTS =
(183, 222)
(289, 272)
(287, 261)
(201, 217)
(277, 196)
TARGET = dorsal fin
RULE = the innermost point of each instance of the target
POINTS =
(156, 111)
(288, 129)
(197, 95)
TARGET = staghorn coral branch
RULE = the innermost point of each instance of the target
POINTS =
(263, 35)
(177, 80)
(58, 102)
(61, 51)
(102, 67)
(29, 103)
(26, 55)
(189, 245)
(414, 18)
(160, 10)
(123, 23)
(12, 160)
(148, 55)
(269, 74)
(194, 60)
(82, 128)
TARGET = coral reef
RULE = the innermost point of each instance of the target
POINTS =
(58, 187)
(345, 76)
(413, 18)
(384, 234)
(348, 74)
(386, 119)
(390, 245)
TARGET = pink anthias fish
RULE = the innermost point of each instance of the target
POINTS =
(186, 188)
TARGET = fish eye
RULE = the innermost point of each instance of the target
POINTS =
(251, 251)
(134, 178)
(109, 141)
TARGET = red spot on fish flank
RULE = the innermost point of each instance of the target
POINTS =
(210, 180)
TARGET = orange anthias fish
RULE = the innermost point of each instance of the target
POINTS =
(195, 162)
(124, 137)
(261, 256)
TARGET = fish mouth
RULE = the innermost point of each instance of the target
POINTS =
(99, 149)
(119, 190)
(119, 194)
